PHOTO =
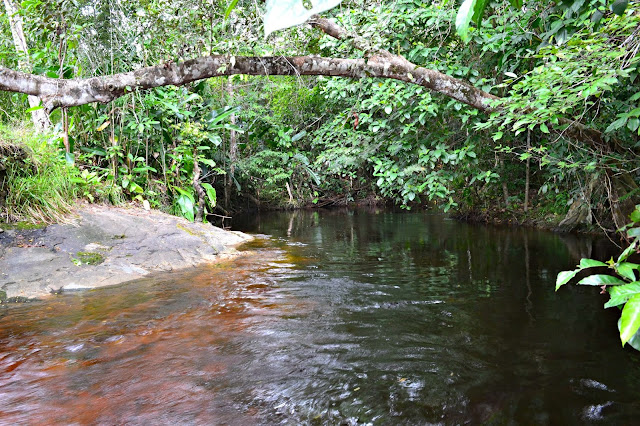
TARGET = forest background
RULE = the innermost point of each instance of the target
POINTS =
(557, 141)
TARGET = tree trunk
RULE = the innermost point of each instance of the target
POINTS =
(198, 188)
(505, 189)
(527, 173)
(580, 210)
(39, 116)
(233, 150)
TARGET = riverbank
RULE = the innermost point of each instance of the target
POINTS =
(105, 245)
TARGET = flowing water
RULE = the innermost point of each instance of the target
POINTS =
(333, 317)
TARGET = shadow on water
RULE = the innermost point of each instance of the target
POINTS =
(335, 317)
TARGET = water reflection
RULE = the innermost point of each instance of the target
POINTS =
(338, 317)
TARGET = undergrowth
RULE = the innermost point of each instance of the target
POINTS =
(36, 184)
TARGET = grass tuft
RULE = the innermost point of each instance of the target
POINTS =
(35, 184)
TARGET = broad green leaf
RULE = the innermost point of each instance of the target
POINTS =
(601, 279)
(590, 263)
(230, 8)
(215, 139)
(626, 270)
(215, 117)
(192, 97)
(544, 128)
(621, 293)
(564, 277)
(207, 161)
(635, 216)
(635, 341)
(298, 136)
(465, 13)
(35, 108)
(186, 206)
(630, 319)
(69, 158)
(478, 11)
(619, 6)
(282, 14)
(627, 252)
(633, 232)
(211, 194)
(597, 16)
(182, 192)
(616, 124)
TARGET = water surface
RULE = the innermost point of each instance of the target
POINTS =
(335, 317)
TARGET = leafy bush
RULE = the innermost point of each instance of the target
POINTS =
(623, 285)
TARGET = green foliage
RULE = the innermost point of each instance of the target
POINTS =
(474, 9)
(312, 138)
(585, 73)
(469, 10)
(622, 283)
(38, 187)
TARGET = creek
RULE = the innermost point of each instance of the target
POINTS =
(332, 317)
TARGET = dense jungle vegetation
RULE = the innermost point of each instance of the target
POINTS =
(561, 133)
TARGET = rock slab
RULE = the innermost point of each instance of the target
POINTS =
(105, 246)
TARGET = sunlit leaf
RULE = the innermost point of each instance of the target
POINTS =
(621, 293)
(192, 97)
(103, 126)
(478, 11)
(627, 252)
(564, 277)
(230, 8)
(601, 279)
(626, 270)
(463, 18)
(590, 263)
(209, 162)
(211, 194)
(630, 319)
(298, 136)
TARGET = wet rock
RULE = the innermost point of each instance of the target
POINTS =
(106, 246)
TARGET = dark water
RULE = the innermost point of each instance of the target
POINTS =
(337, 317)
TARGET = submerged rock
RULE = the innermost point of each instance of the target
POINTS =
(106, 246)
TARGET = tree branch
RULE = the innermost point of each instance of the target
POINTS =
(570, 129)
(74, 92)
(378, 63)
